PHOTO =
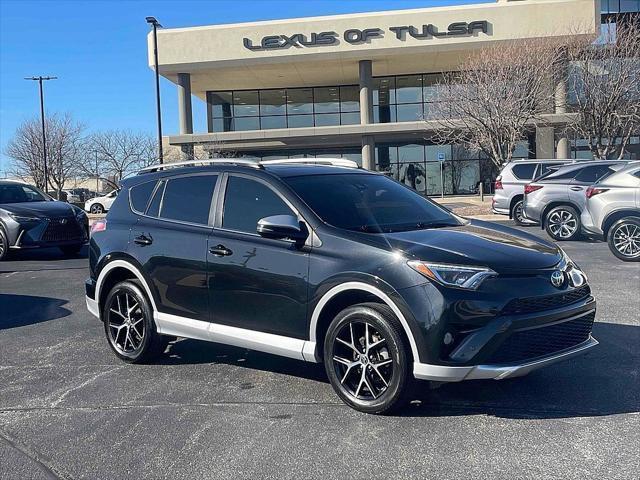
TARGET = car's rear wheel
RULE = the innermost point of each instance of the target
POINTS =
(69, 250)
(367, 359)
(4, 245)
(563, 223)
(129, 326)
(96, 208)
(517, 215)
(624, 239)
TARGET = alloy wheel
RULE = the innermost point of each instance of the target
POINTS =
(2, 245)
(626, 240)
(362, 360)
(126, 323)
(517, 213)
(562, 224)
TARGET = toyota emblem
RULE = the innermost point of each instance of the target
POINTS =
(557, 279)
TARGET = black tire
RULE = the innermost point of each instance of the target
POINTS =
(96, 208)
(563, 223)
(624, 239)
(390, 381)
(70, 250)
(516, 213)
(143, 347)
(4, 245)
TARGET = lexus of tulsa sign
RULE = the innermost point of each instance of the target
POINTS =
(356, 36)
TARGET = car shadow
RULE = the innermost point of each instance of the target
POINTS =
(604, 381)
(49, 253)
(22, 310)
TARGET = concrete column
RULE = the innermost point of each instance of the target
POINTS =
(560, 96)
(366, 113)
(545, 142)
(184, 103)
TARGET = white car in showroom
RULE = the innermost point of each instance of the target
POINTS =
(101, 204)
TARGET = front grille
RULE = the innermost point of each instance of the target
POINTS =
(544, 340)
(61, 229)
(546, 302)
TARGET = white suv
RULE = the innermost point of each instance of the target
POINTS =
(509, 187)
(101, 204)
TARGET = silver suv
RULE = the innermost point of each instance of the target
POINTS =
(557, 199)
(509, 187)
(613, 212)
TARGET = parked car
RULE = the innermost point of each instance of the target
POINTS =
(509, 185)
(377, 282)
(31, 219)
(613, 212)
(71, 196)
(556, 200)
(102, 203)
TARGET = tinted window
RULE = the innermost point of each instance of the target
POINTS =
(636, 174)
(524, 171)
(16, 193)
(140, 195)
(547, 167)
(370, 203)
(593, 174)
(188, 199)
(247, 201)
(562, 175)
(154, 207)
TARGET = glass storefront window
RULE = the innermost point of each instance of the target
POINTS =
(327, 119)
(384, 114)
(409, 112)
(299, 100)
(273, 102)
(246, 123)
(409, 89)
(350, 118)
(222, 124)
(326, 99)
(298, 121)
(267, 123)
(245, 103)
(431, 88)
(350, 99)
(384, 91)
(221, 103)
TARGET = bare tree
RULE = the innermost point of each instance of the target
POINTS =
(119, 153)
(604, 88)
(64, 145)
(496, 97)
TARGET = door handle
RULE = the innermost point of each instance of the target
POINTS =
(143, 240)
(576, 189)
(220, 251)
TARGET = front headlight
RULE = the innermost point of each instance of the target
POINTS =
(458, 276)
(23, 218)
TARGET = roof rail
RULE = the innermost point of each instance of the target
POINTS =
(338, 162)
(195, 163)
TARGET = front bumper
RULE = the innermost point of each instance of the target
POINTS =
(49, 232)
(442, 373)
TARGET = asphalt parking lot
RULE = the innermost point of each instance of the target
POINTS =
(70, 409)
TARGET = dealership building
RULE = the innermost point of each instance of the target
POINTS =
(359, 86)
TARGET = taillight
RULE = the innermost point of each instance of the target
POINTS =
(531, 188)
(99, 226)
(498, 185)
(593, 191)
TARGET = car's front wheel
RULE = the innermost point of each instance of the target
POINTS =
(563, 223)
(96, 208)
(129, 326)
(624, 239)
(367, 359)
(517, 214)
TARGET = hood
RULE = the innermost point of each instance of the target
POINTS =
(500, 248)
(40, 209)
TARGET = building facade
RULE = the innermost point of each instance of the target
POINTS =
(359, 86)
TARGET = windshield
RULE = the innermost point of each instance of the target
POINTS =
(20, 193)
(369, 203)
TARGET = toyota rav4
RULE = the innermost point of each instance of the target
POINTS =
(322, 261)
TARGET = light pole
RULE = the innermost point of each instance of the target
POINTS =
(152, 21)
(40, 78)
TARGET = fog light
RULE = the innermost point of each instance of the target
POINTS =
(448, 338)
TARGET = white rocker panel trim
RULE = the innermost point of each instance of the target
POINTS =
(355, 286)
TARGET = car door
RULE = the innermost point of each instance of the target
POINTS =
(170, 241)
(584, 178)
(255, 283)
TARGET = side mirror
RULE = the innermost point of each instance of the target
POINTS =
(282, 226)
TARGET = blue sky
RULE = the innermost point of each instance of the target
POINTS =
(97, 49)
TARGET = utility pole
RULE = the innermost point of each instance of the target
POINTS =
(97, 176)
(152, 21)
(44, 134)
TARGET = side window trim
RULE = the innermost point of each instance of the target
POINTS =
(221, 202)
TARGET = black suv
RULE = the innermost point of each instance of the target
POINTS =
(325, 262)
